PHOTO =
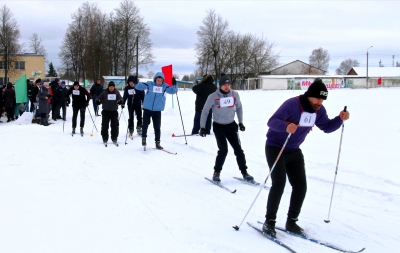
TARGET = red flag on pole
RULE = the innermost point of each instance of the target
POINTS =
(167, 71)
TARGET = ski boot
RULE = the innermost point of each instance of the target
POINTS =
(216, 176)
(247, 177)
(144, 141)
(158, 146)
(73, 130)
(139, 130)
(293, 227)
(269, 228)
(81, 130)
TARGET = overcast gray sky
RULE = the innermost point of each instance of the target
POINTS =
(345, 28)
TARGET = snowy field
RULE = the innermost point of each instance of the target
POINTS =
(71, 194)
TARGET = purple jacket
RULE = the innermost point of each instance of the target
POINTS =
(290, 112)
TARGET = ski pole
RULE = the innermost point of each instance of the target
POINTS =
(182, 135)
(262, 186)
(337, 166)
(127, 126)
(91, 118)
(96, 112)
(181, 115)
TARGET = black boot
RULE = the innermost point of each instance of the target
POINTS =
(158, 146)
(81, 130)
(269, 228)
(293, 227)
(73, 130)
(216, 176)
(144, 141)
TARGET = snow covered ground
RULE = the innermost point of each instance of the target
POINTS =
(71, 194)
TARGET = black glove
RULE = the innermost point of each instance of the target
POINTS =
(122, 106)
(67, 104)
(241, 127)
(98, 101)
(119, 102)
(87, 104)
(173, 81)
(202, 132)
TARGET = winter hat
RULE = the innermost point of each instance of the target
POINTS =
(62, 82)
(111, 83)
(38, 80)
(224, 80)
(76, 83)
(317, 90)
(57, 80)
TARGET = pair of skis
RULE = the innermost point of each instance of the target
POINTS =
(252, 182)
(280, 243)
(166, 151)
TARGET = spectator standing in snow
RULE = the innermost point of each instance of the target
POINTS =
(44, 95)
(225, 103)
(296, 116)
(9, 101)
(60, 101)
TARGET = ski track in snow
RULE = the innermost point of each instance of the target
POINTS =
(71, 194)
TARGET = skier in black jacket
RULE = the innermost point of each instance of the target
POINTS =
(203, 90)
(110, 98)
(135, 99)
(80, 100)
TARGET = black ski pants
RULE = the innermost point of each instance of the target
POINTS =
(106, 118)
(290, 163)
(138, 110)
(228, 132)
(75, 111)
(156, 117)
(196, 122)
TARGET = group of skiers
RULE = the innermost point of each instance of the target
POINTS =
(288, 126)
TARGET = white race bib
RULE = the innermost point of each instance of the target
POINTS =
(307, 119)
(131, 92)
(226, 102)
(112, 96)
(76, 92)
(157, 89)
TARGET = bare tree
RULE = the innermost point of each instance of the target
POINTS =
(36, 46)
(320, 58)
(150, 74)
(9, 35)
(346, 65)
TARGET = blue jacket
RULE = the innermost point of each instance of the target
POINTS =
(155, 100)
(290, 112)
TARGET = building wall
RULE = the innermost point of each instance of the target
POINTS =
(274, 84)
(360, 83)
(32, 63)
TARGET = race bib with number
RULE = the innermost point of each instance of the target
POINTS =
(76, 92)
(307, 119)
(157, 89)
(131, 92)
(112, 96)
(226, 102)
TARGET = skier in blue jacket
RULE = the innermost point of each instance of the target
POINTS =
(154, 104)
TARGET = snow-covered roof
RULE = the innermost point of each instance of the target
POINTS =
(377, 71)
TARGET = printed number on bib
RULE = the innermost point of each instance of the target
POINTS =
(131, 92)
(157, 89)
(112, 97)
(307, 119)
(226, 102)
(76, 92)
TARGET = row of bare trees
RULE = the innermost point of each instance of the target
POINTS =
(220, 50)
(98, 44)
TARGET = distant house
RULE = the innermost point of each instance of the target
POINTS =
(30, 64)
(375, 71)
(297, 67)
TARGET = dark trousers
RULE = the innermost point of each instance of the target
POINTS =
(138, 110)
(291, 163)
(156, 117)
(75, 114)
(228, 132)
(10, 112)
(196, 122)
(95, 107)
(58, 107)
(54, 111)
(106, 118)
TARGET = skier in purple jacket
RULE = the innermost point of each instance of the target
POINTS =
(296, 116)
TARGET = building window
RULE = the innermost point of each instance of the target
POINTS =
(20, 65)
(3, 82)
(2, 65)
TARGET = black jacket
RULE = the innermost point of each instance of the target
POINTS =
(59, 95)
(138, 96)
(203, 90)
(96, 90)
(109, 105)
(78, 100)
(34, 92)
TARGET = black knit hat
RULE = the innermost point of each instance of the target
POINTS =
(317, 90)
(76, 83)
(224, 80)
(111, 83)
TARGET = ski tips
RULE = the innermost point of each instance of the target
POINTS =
(173, 135)
(236, 228)
(327, 221)
(234, 191)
